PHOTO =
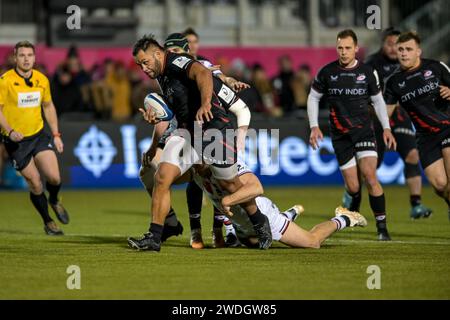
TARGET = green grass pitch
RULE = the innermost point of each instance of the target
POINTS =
(416, 265)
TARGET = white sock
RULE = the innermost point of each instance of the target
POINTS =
(341, 223)
(228, 226)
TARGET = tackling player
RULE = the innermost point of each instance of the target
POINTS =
(347, 87)
(421, 87)
(280, 222)
(23, 91)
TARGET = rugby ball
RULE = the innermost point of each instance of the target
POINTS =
(157, 104)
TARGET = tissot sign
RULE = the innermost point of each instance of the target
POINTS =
(104, 154)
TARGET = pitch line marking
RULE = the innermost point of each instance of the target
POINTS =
(445, 243)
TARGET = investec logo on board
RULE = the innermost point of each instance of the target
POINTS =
(266, 154)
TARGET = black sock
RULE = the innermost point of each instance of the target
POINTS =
(171, 219)
(53, 192)
(156, 230)
(218, 219)
(415, 200)
(378, 206)
(356, 201)
(41, 205)
(194, 195)
(257, 218)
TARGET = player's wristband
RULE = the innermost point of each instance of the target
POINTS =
(57, 135)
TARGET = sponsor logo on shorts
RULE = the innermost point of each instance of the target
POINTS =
(446, 142)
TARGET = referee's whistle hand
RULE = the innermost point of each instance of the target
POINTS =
(59, 145)
(315, 137)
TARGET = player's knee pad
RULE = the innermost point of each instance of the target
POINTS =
(411, 170)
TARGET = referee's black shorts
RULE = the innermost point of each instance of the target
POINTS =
(22, 152)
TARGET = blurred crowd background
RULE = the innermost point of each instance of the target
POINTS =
(115, 90)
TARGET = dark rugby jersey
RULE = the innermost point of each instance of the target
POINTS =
(347, 92)
(418, 92)
(183, 95)
(383, 65)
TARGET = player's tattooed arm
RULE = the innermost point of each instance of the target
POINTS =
(204, 80)
(233, 83)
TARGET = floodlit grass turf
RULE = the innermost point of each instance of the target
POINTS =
(33, 266)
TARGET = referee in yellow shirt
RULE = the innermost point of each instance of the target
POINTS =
(23, 91)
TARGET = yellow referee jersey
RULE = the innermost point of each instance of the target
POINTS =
(22, 103)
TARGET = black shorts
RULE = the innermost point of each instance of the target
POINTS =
(403, 131)
(346, 146)
(219, 146)
(431, 146)
(22, 152)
